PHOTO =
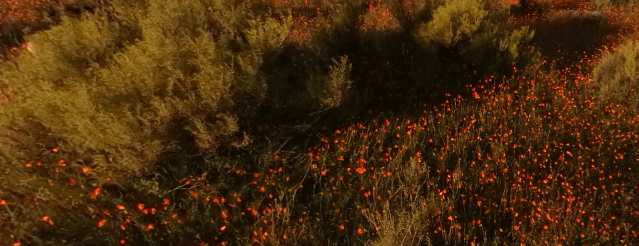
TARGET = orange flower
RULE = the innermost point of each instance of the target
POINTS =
(84, 169)
(95, 192)
(193, 193)
(360, 170)
(360, 231)
(367, 194)
(150, 227)
(224, 215)
(101, 223)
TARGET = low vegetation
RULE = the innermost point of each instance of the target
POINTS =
(412, 122)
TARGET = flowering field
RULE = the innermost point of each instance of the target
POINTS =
(369, 123)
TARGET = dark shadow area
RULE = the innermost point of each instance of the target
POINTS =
(565, 37)
(392, 76)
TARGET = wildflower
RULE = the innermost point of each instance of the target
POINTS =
(193, 193)
(84, 169)
(95, 192)
(101, 223)
(224, 215)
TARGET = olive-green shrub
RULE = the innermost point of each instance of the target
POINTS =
(453, 22)
(617, 75)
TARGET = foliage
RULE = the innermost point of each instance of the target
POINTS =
(617, 75)
(334, 88)
(452, 22)
(249, 122)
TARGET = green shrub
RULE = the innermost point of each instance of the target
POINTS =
(76, 86)
(513, 42)
(452, 22)
(617, 75)
(111, 95)
(54, 88)
(330, 90)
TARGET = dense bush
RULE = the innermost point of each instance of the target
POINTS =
(464, 29)
(617, 75)
(454, 21)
